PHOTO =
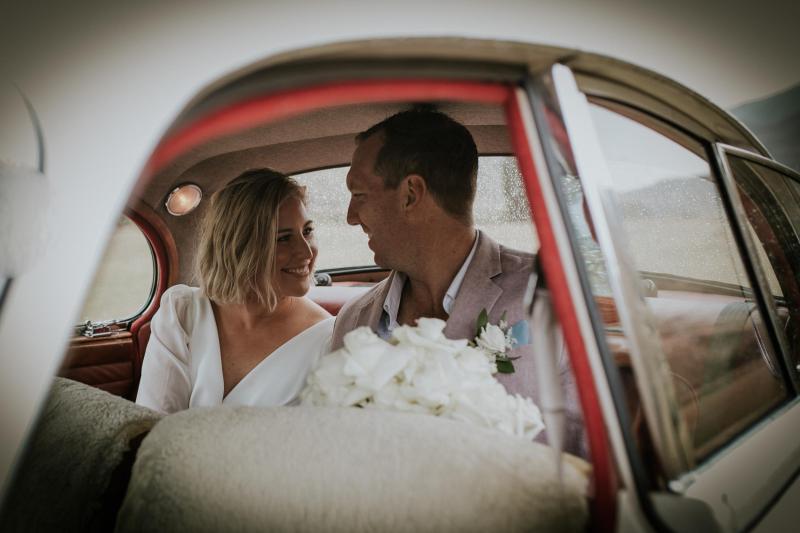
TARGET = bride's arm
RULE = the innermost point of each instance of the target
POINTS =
(165, 385)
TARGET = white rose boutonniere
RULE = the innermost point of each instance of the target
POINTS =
(497, 340)
(420, 370)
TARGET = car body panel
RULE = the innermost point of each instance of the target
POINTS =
(103, 112)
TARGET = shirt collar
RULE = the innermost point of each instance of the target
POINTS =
(392, 303)
(455, 285)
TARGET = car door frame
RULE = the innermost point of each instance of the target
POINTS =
(718, 481)
(453, 83)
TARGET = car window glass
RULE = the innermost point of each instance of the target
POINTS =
(693, 278)
(124, 281)
(500, 209)
(771, 201)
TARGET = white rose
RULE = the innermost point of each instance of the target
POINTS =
(433, 381)
(492, 339)
(388, 397)
(363, 339)
(386, 365)
(469, 406)
(428, 334)
(475, 361)
(430, 328)
(424, 372)
(355, 396)
(528, 418)
(327, 384)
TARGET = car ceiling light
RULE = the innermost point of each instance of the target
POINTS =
(183, 199)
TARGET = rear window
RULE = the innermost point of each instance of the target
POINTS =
(123, 284)
(501, 210)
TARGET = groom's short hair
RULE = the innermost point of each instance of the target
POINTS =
(434, 146)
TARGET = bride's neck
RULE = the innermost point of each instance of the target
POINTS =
(253, 314)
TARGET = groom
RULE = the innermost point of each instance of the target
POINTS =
(412, 184)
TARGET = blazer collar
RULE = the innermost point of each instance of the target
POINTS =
(371, 307)
(478, 291)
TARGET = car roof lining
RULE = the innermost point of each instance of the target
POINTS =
(319, 139)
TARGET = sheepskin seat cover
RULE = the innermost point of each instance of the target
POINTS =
(79, 440)
(344, 469)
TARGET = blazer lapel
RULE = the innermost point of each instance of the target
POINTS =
(477, 291)
(366, 311)
(370, 314)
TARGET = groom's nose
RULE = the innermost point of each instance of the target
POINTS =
(352, 214)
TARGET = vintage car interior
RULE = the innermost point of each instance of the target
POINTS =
(714, 340)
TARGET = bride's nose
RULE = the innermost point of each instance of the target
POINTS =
(304, 247)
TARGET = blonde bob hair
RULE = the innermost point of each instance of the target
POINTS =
(236, 255)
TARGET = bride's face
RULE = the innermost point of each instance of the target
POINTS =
(295, 250)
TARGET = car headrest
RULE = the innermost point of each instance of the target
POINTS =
(344, 469)
(72, 459)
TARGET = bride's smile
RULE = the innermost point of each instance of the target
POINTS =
(300, 271)
(296, 250)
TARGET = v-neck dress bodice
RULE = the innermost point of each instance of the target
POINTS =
(182, 367)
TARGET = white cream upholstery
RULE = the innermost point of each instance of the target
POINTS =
(349, 470)
(79, 441)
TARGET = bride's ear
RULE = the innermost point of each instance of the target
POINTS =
(415, 190)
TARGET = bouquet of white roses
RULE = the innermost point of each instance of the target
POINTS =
(422, 371)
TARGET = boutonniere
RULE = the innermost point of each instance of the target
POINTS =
(497, 340)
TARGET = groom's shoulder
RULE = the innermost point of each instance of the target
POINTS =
(514, 261)
(357, 303)
(348, 317)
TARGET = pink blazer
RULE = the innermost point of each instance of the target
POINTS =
(496, 280)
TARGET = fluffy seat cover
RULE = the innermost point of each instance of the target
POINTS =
(349, 470)
(78, 442)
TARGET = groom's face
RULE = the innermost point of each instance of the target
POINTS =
(373, 206)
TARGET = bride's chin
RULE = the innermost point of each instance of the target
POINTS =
(297, 289)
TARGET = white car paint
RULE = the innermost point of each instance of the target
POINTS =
(106, 82)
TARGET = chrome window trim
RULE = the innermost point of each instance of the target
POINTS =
(150, 293)
(776, 337)
(757, 158)
(557, 220)
(670, 435)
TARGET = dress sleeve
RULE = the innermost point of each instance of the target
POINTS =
(166, 384)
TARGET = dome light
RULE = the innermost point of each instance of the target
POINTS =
(183, 199)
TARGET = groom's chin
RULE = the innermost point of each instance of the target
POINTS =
(379, 260)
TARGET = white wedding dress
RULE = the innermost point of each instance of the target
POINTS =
(182, 366)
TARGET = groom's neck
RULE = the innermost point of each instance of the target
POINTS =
(439, 256)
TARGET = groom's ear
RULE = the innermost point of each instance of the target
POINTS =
(415, 190)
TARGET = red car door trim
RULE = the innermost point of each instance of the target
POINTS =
(284, 104)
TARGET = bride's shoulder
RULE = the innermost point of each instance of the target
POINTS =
(179, 297)
(180, 292)
(313, 310)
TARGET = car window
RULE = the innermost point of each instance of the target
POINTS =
(679, 238)
(771, 201)
(500, 209)
(123, 284)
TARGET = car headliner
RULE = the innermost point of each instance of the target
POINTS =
(325, 138)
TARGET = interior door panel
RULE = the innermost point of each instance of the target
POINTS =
(106, 363)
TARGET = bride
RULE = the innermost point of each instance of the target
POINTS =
(247, 335)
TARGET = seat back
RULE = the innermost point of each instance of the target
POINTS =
(344, 469)
(77, 463)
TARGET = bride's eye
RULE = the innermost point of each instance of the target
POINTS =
(308, 231)
(284, 238)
